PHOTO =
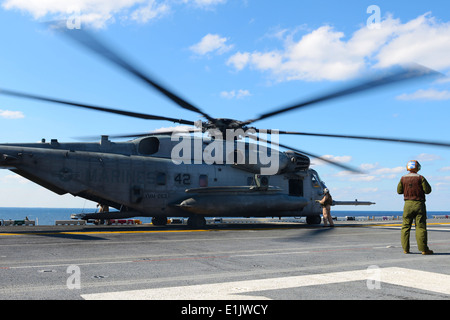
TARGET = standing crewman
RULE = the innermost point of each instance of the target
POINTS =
(326, 203)
(413, 186)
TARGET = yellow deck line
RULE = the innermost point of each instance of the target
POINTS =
(95, 232)
(400, 224)
(178, 231)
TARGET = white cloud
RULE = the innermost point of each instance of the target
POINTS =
(376, 169)
(319, 55)
(239, 60)
(381, 171)
(266, 61)
(9, 179)
(205, 3)
(239, 94)
(351, 176)
(150, 11)
(429, 94)
(368, 166)
(96, 13)
(372, 172)
(99, 13)
(338, 159)
(7, 114)
(368, 190)
(364, 177)
(441, 178)
(327, 54)
(441, 186)
(422, 40)
(428, 157)
(211, 43)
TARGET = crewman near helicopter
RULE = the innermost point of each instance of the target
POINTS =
(326, 203)
(413, 186)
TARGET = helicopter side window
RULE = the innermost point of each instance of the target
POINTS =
(296, 187)
(203, 181)
(148, 146)
(161, 179)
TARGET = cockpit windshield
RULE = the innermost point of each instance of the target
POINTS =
(316, 182)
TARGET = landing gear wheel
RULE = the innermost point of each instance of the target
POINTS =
(313, 220)
(159, 221)
(196, 222)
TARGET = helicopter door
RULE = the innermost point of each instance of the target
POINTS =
(296, 187)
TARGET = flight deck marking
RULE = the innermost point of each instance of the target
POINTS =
(416, 279)
(387, 226)
(97, 232)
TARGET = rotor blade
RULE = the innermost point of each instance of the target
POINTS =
(90, 42)
(334, 163)
(148, 134)
(397, 77)
(82, 105)
(398, 140)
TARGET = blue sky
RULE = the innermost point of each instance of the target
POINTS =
(237, 59)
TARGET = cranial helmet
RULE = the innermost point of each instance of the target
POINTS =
(413, 166)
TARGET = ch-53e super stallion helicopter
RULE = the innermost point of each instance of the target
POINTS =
(163, 175)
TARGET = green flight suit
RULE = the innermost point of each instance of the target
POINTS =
(414, 209)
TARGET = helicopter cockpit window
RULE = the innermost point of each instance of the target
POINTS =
(148, 146)
(315, 180)
(315, 183)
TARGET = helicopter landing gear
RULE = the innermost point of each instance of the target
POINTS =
(313, 219)
(196, 222)
(159, 221)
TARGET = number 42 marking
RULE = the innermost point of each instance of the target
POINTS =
(183, 179)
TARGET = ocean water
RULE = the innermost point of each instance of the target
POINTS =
(47, 216)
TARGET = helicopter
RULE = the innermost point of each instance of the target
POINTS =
(214, 168)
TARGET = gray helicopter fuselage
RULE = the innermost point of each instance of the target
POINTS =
(141, 176)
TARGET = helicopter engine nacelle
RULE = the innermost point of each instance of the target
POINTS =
(288, 161)
(295, 162)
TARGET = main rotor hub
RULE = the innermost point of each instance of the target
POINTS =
(223, 124)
